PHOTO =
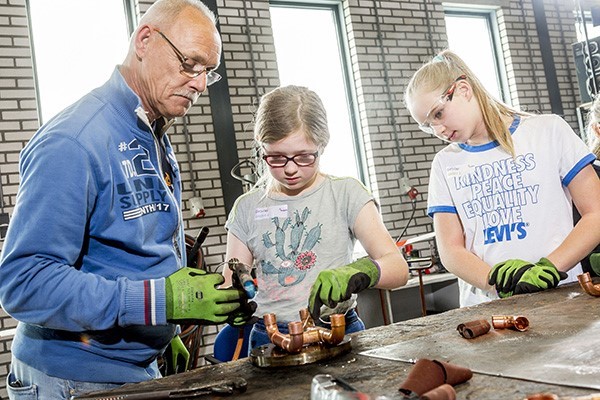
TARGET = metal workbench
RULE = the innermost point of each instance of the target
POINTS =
(567, 305)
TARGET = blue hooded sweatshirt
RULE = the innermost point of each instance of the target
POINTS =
(94, 232)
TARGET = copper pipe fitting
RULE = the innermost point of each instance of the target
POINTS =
(292, 342)
(442, 392)
(304, 332)
(551, 396)
(317, 334)
(542, 396)
(586, 283)
(519, 323)
(472, 329)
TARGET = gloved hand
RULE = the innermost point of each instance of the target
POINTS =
(505, 275)
(244, 316)
(192, 296)
(335, 285)
(595, 263)
(177, 356)
(543, 275)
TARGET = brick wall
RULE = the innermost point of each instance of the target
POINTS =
(388, 40)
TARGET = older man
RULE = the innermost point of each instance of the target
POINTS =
(92, 266)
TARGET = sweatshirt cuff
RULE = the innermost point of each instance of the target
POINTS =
(144, 303)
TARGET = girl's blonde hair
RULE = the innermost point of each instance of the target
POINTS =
(287, 110)
(441, 72)
(593, 140)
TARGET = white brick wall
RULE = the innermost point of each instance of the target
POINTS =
(406, 43)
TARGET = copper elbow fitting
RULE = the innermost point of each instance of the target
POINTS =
(293, 342)
(305, 332)
(331, 336)
(586, 283)
(519, 323)
(317, 334)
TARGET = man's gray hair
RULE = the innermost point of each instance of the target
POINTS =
(167, 11)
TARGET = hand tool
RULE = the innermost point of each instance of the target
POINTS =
(242, 277)
(226, 387)
(192, 260)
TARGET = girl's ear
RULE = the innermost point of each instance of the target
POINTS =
(465, 89)
(596, 128)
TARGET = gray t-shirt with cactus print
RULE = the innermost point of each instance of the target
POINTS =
(293, 238)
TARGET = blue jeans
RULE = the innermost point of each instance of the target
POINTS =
(27, 383)
(259, 336)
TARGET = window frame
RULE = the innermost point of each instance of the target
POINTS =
(335, 6)
(491, 21)
(130, 21)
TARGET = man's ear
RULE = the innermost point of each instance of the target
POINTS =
(142, 38)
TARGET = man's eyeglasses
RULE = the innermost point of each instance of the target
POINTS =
(428, 126)
(301, 160)
(189, 67)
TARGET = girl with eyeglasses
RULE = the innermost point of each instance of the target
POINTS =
(501, 193)
(298, 226)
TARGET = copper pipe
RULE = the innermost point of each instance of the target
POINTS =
(519, 323)
(305, 332)
(542, 396)
(419, 270)
(442, 392)
(331, 336)
(293, 342)
(551, 396)
(586, 283)
(472, 329)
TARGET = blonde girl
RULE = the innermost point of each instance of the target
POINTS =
(501, 193)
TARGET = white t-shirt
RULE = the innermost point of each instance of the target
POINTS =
(511, 208)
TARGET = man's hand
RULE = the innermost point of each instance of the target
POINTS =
(192, 296)
(335, 285)
(178, 356)
(543, 275)
(505, 275)
(243, 316)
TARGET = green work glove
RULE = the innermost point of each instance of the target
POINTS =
(177, 356)
(505, 275)
(595, 263)
(244, 316)
(543, 275)
(335, 285)
(192, 296)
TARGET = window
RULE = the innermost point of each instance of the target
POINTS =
(472, 34)
(76, 46)
(590, 30)
(316, 58)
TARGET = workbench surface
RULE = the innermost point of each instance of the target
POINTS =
(383, 377)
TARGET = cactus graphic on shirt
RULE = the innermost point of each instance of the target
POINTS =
(300, 258)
